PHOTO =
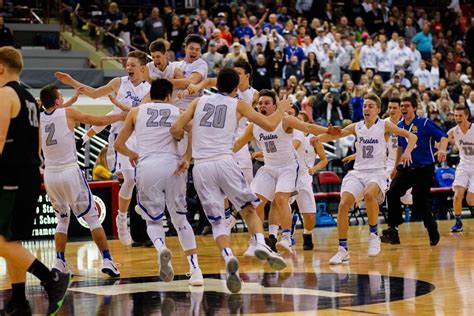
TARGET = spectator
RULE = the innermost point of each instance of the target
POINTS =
(424, 42)
(6, 35)
(237, 53)
(424, 76)
(436, 72)
(310, 67)
(368, 55)
(470, 42)
(375, 16)
(392, 27)
(261, 75)
(259, 38)
(213, 58)
(410, 30)
(332, 66)
(153, 27)
(399, 79)
(125, 29)
(292, 69)
(208, 25)
(276, 64)
(225, 33)
(292, 49)
(470, 103)
(415, 59)
(273, 24)
(401, 55)
(176, 34)
(329, 110)
(385, 66)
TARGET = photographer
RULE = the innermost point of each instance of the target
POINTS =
(328, 111)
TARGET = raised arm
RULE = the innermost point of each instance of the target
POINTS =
(183, 83)
(94, 93)
(178, 127)
(348, 130)
(76, 116)
(293, 122)
(74, 98)
(244, 138)
(268, 123)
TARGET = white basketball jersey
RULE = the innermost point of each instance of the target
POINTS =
(304, 151)
(371, 147)
(392, 148)
(152, 129)
(214, 126)
(199, 66)
(156, 73)
(247, 96)
(57, 140)
(277, 146)
(130, 95)
(465, 143)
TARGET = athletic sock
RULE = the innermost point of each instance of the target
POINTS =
(373, 229)
(228, 212)
(193, 261)
(60, 256)
(343, 243)
(18, 292)
(39, 270)
(159, 244)
(227, 254)
(273, 230)
(307, 232)
(285, 234)
(106, 254)
(122, 216)
(259, 238)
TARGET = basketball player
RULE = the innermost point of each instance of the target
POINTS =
(160, 67)
(193, 67)
(463, 135)
(305, 197)
(369, 179)
(276, 181)
(159, 187)
(216, 173)
(65, 183)
(20, 184)
(130, 90)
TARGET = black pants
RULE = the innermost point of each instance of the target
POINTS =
(420, 180)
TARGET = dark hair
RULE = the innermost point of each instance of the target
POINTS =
(194, 38)
(268, 93)
(245, 65)
(412, 101)
(160, 89)
(463, 108)
(49, 95)
(141, 56)
(227, 80)
(158, 46)
(395, 100)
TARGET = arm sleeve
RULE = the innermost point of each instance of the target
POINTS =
(434, 130)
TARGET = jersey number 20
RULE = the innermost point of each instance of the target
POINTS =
(219, 112)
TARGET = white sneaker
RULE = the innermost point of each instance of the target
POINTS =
(166, 269)
(341, 256)
(230, 223)
(234, 284)
(61, 266)
(110, 268)
(374, 245)
(196, 278)
(123, 233)
(285, 245)
(263, 252)
(250, 252)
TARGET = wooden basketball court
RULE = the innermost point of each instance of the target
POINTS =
(407, 279)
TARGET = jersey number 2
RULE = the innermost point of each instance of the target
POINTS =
(50, 129)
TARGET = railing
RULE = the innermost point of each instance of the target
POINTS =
(24, 14)
(121, 59)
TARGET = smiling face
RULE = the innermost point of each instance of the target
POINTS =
(266, 105)
(460, 117)
(394, 110)
(193, 52)
(134, 69)
(371, 110)
(159, 60)
(408, 111)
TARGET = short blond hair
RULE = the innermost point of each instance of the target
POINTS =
(11, 57)
(373, 97)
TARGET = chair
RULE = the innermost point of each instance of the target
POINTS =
(329, 189)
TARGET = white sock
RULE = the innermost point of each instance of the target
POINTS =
(227, 254)
(285, 234)
(259, 238)
(159, 244)
(122, 215)
(273, 230)
(307, 232)
(193, 261)
(156, 232)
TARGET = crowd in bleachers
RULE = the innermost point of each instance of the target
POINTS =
(325, 57)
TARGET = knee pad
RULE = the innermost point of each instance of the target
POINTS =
(63, 223)
(92, 219)
(126, 190)
(219, 228)
(185, 231)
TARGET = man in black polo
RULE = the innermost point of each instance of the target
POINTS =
(418, 175)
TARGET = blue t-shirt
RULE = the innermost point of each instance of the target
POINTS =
(241, 31)
(428, 133)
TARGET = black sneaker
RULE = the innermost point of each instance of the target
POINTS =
(137, 244)
(271, 242)
(434, 235)
(308, 242)
(17, 309)
(57, 289)
(390, 236)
